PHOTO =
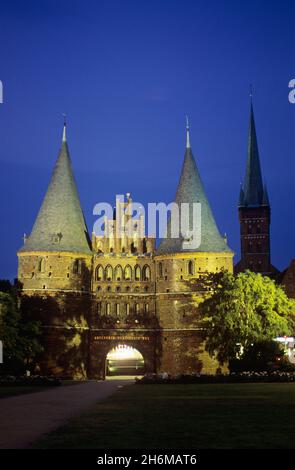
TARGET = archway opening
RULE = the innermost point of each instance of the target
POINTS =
(124, 360)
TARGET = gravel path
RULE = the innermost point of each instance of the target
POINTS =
(25, 418)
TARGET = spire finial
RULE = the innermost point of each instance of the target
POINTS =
(188, 145)
(64, 135)
(251, 91)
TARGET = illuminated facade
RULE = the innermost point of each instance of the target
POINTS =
(111, 292)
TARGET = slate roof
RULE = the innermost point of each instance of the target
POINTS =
(60, 224)
(191, 190)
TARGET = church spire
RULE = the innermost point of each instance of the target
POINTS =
(253, 185)
(254, 213)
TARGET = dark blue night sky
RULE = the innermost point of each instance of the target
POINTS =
(126, 73)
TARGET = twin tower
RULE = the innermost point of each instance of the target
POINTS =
(107, 294)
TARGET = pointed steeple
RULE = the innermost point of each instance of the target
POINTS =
(190, 190)
(60, 225)
(253, 184)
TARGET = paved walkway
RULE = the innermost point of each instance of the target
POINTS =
(25, 418)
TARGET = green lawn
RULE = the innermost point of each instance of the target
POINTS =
(185, 416)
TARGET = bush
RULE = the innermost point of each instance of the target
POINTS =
(34, 380)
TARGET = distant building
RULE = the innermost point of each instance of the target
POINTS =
(254, 214)
(109, 294)
(287, 279)
(288, 344)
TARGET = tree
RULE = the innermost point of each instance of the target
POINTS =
(243, 310)
(19, 333)
(9, 331)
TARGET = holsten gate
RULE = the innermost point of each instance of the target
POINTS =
(96, 297)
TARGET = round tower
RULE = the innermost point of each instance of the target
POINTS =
(54, 267)
(180, 262)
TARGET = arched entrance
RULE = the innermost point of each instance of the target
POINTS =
(124, 360)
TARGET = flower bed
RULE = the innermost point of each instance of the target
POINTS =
(243, 377)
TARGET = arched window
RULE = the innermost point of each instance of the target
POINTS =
(109, 273)
(118, 273)
(127, 309)
(160, 269)
(137, 308)
(99, 273)
(146, 273)
(146, 308)
(128, 273)
(77, 266)
(137, 273)
(108, 309)
(117, 309)
(41, 265)
(99, 308)
(190, 268)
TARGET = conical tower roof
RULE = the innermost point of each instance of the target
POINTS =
(253, 184)
(60, 225)
(191, 190)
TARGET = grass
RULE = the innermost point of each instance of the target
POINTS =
(185, 416)
(14, 390)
